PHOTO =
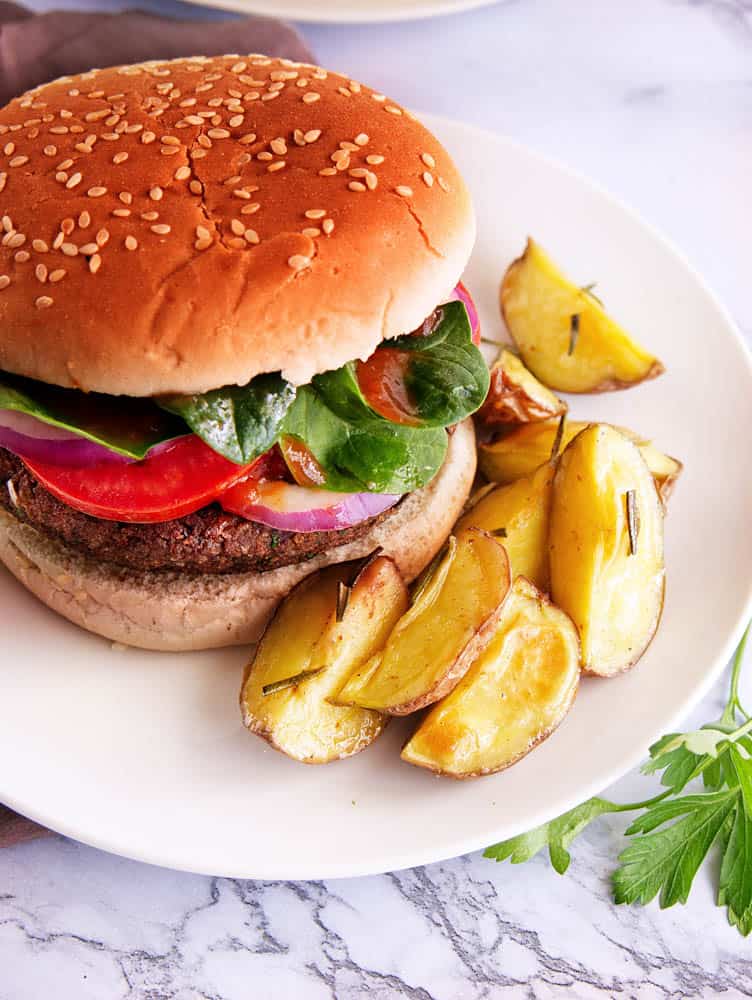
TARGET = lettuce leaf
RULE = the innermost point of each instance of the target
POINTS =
(123, 424)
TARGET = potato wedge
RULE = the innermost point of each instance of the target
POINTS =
(606, 548)
(305, 638)
(516, 396)
(513, 696)
(517, 514)
(591, 353)
(526, 448)
(433, 644)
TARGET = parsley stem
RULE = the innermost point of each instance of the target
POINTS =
(733, 699)
(645, 804)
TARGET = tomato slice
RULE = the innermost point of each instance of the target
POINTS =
(180, 478)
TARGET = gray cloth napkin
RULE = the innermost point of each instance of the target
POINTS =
(35, 48)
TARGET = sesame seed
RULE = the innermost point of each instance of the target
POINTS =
(195, 187)
(131, 243)
(126, 197)
(59, 129)
(240, 193)
(270, 96)
(340, 154)
(312, 135)
(169, 150)
(121, 213)
(392, 109)
(202, 244)
(7, 223)
(443, 184)
(150, 216)
(315, 213)
(87, 249)
(250, 209)
(278, 165)
(147, 137)
(204, 141)
(236, 243)
(328, 226)
(182, 173)
(310, 96)
(251, 236)
(354, 86)
(193, 120)
(161, 229)
(219, 133)
(312, 232)
(3, 180)
(264, 156)
(428, 160)
(298, 261)
(361, 139)
(43, 302)
(343, 164)
(356, 186)
(298, 137)
(236, 121)
(278, 146)
(276, 87)
(359, 172)
(328, 172)
(156, 194)
(344, 91)
(374, 159)
(58, 241)
(170, 140)
(103, 237)
(61, 177)
(41, 272)
(120, 157)
(4, 281)
(9, 148)
(69, 249)
(16, 240)
(248, 138)
(57, 275)
(96, 192)
(84, 220)
(81, 147)
(232, 181)
(40, 246)
(372, 181)
(73, 180)
(203, 233)
(50, 150)
(237, 227)
(427, 178)
(95, 263)
(404, 190)
(18, 161)
(21, 256)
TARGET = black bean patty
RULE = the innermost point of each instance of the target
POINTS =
(209, 541)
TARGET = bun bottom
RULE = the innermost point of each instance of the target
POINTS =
(180, 611)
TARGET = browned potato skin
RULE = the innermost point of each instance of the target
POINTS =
(436, 745)
(443, 683)
(299, 721)
(515, 395)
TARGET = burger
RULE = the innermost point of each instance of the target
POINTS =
(233, 347)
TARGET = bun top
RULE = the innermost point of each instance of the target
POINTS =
(179, 226)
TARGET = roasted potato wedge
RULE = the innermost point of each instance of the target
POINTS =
(516, 396)
(305, 641)
(451, 621)
(606, 548)
(526, 448)
(513, 696)
(517, 514)
(564, 335)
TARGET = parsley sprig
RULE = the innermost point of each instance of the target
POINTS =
(674, 832)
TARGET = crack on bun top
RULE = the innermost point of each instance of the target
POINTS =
(178, 226)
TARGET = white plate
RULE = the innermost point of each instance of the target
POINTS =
(347, 11)
(144, 754)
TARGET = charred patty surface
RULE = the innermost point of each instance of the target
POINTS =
(208, 541)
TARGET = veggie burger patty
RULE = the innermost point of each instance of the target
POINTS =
(209, 541)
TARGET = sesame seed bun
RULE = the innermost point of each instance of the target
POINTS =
(179, 226)
(176, 611)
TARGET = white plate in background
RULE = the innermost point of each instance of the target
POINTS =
(346, 11)
(143, 754)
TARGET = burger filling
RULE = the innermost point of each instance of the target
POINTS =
(243, 477)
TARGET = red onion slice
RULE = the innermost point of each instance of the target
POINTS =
(293, 508)
(461, 293)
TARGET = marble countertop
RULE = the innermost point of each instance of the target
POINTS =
(653, 99)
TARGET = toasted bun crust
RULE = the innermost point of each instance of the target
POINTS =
(179, 226)
(168, 611)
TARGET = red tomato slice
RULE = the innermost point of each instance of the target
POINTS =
(183, 477)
